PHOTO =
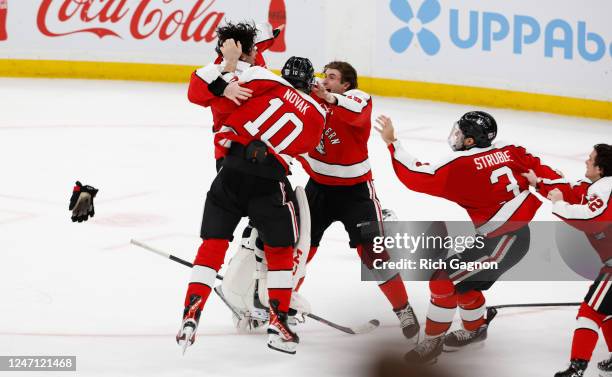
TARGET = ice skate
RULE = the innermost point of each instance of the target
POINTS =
(459, 339)
(576, 368)
(426, 352)
(280, 336)
(605, 367)
(409, 323)
(191, 317)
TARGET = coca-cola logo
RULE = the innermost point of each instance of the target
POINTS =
(160, 19)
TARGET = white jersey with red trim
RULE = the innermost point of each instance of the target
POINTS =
(486, 182)
(341, 158)
(586, 207)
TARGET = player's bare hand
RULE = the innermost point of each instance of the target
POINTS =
(236, 93)
(385, 129)
(531, 177)
(231, 50)
(319, 90)
(555, 195)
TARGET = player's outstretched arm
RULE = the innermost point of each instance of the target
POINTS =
(416, 176)
(591, 217)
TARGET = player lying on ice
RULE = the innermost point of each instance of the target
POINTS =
(586, 206)
(260, 138)
(485, 179)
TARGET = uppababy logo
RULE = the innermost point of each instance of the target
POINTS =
(493, 31)
(401, 39)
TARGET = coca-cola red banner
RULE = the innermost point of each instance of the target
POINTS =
(151, 31)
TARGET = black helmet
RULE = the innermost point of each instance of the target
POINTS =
(299, 72)
(480, 126)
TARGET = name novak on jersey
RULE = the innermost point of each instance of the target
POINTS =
(296, 100)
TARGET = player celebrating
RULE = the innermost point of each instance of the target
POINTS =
(253, 40)
(340, 186)
(259, 139)
(485, 180)
(586, 206)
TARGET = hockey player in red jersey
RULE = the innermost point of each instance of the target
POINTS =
(485, 180)
(341, 186)
(588, 207)
(204, 88)
(258, 140)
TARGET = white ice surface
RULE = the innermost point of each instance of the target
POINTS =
(81, 289)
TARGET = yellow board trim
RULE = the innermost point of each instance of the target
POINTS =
(386, 87)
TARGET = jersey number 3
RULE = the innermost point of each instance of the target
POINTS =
(504, 170)
(253, 127)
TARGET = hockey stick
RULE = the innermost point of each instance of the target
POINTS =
(535, 305)
(492, 310)
(363, 329)
(165, 255)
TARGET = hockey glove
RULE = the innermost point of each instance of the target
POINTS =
(81, 202)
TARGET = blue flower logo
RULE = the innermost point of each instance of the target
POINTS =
(402, 38)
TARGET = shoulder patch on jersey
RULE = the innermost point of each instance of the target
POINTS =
(353, 100)
(357, 94)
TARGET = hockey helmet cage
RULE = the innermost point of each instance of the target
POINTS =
(299, 72)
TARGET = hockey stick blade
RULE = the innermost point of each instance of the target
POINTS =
(362, 329)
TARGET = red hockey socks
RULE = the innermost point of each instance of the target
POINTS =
(280, 275)
(394, 288)
(442, 306)
(205, 266)
(588, 323)
(395, 291)
(472, 309)
(606, 328)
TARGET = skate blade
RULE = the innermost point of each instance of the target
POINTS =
(412, 342)
(472, 346)
(186, 343)
(290, 352)
(605, 374)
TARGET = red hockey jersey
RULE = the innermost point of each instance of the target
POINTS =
(288, 121)
(198, 92)
(341, 157)
(486, 182)
(586, 207)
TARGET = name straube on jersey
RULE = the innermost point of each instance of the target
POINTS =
(296, 100)
(492, 159)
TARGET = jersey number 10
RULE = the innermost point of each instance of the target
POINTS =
(253, 127)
